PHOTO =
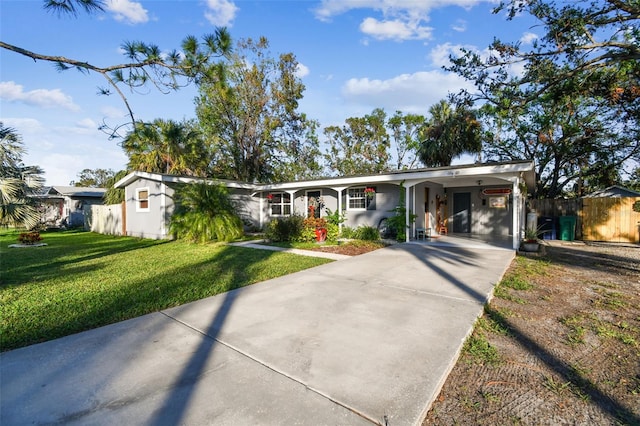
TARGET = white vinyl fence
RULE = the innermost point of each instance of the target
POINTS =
(107, 219)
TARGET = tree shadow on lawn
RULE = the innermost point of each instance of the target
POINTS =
(181, 390)
(24, 265)
(230, 268)
(153, 294)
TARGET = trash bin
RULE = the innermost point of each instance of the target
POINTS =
(567, 228)
(547, 227)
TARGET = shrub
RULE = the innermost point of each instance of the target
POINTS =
(335, 218)
(205, 212)
(332, 232)
(347, 232)
(285, 229)
(366, 233)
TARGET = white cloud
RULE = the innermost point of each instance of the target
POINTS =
(395, 30)
(528, 38)
(302, 70)
(87, 123)
(221, 12)
(22, 125)
(63, 151)
(407, 92)
(439, 55)
(399, 19)
(12, 92)
(460, 26)
(113, 112)
(128, 11)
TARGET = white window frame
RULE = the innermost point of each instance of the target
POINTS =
(350, 198)
(282, 204)
(138, 199)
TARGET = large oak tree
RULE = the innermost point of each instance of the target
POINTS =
(575, 107)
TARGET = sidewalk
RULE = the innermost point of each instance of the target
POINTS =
(367, 340)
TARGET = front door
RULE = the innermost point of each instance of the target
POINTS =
(427, 216)
(462, 212)
(313, 203)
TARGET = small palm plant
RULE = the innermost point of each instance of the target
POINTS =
(531, 235)
(204, 213)
(530, 242)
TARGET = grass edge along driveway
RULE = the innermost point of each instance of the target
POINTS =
(83, 280)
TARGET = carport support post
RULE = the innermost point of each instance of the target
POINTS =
(516, 211)
(407, 214)
(339, 190)
(407, 201)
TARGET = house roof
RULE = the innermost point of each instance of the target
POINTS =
(613, 191)
(76, 191)
(451, 176)
(133, 176)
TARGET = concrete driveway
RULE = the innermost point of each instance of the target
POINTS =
(367, 340)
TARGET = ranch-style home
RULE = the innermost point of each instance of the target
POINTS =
(477, 199)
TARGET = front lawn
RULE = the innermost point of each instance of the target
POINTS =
(82, 280)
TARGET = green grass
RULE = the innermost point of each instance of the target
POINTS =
(480, 351)
(518, 278)
(82, 280)
(577, 328)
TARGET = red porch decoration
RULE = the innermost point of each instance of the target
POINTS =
(496, 191)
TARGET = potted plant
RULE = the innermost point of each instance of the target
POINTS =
(29, 238)
(530, 242)
(369, 192)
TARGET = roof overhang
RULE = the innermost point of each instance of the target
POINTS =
(133, 176)
(451, 176)
(486, 174)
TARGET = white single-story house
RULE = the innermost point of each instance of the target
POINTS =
(67, 205)
(482, 199)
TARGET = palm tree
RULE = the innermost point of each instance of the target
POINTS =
(17, 182)
(166, 146)
(448, 134)
(204, 212)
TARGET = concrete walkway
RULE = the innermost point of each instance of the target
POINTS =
(366, 340)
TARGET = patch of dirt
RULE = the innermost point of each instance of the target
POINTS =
(568, 348)
(351, 248)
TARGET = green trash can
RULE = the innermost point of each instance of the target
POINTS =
(567, 228)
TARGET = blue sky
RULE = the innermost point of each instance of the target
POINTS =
(354, 56)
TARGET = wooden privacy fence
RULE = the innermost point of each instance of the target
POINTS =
(597, 219)
(610, 219)
(106, 219)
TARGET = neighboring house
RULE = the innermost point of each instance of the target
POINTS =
(66, 205)
(614, 191)
(483, 199)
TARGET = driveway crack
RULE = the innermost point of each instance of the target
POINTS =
(277, 371)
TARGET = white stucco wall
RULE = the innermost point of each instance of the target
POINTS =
(152, 223)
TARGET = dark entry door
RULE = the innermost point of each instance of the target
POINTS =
(462, 212)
